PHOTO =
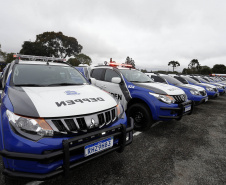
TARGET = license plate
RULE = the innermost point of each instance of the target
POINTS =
(218, 94)
(206, 99)
(187, 108)
(98, 146)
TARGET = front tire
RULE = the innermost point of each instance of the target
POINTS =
(141, 115)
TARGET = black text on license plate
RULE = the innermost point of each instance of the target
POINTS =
(98, 146)
(187, 108)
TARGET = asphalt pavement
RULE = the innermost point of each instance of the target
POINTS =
(189, 151)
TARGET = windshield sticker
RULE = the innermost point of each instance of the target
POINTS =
(71, 93)
(84, 100)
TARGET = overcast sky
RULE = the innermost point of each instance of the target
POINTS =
(152, 32)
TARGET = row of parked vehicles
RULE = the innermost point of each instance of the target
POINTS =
(54, 118)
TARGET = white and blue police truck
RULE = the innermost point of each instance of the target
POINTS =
(53, 120)
(195, 93)
(144, 100)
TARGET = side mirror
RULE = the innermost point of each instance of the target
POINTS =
(116, 80)
(93, 81)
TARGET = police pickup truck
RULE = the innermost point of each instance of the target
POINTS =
(195, 93)
(211, 90)
(144, 100)
(52, 119)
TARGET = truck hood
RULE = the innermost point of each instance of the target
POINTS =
(194, 87)
(207, 85)
(161, 88)
(59, 101)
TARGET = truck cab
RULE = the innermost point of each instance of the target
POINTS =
(53, 120)
(144, 100)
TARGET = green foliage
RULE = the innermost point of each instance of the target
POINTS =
(174, 64)
(130, 61)
(219, 68)
(2, 54)
(205, 70)
(84, 59)
(52, 44)
(73, 62)
(194, 65)
(144, 70)
(9, 57)
(35, 48)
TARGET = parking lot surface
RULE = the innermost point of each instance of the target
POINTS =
(189, 151)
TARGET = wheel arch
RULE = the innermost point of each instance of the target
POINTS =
(138, 100)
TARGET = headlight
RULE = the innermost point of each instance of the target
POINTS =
(195, 92)
(164, 98)
(120, 110)
(31, 128)
(209, 89)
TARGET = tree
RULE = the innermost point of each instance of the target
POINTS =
(205, 70)
(84, 59)
(130, 61)
(219, 68)
(194, 64)
(174, 64)
(9, 57)
(35, 48)
(2, 54)
(73, 62)
(52, 44)
(143, 70)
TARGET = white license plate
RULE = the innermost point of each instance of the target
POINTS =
(218, 94)
(187, 108)
(98, 146)
(206, 99)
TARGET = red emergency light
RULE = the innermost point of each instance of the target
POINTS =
(113, 64)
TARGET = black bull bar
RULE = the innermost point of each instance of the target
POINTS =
(119, 131)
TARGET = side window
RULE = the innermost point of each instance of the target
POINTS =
(97, 73)
(158, 79)
(109, 75)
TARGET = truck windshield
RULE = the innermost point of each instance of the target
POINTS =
(190, 80)
(45, 75)
(136, 76)
(172, 80)
(202, 79)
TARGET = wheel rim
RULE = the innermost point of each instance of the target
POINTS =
(139, 117)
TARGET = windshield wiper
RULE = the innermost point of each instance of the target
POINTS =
(64, 84)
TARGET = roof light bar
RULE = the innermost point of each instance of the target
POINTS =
(113, 64)
(38, 58)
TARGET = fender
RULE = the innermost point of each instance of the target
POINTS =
(143, 95)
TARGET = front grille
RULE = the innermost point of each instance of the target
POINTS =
(203, 93)
(215, 89)
(179, 98)
(83, 123)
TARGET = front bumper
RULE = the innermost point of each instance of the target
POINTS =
(69, 147)
(203, 100)
(180, 110)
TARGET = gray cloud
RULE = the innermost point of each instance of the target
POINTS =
(151, 32)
